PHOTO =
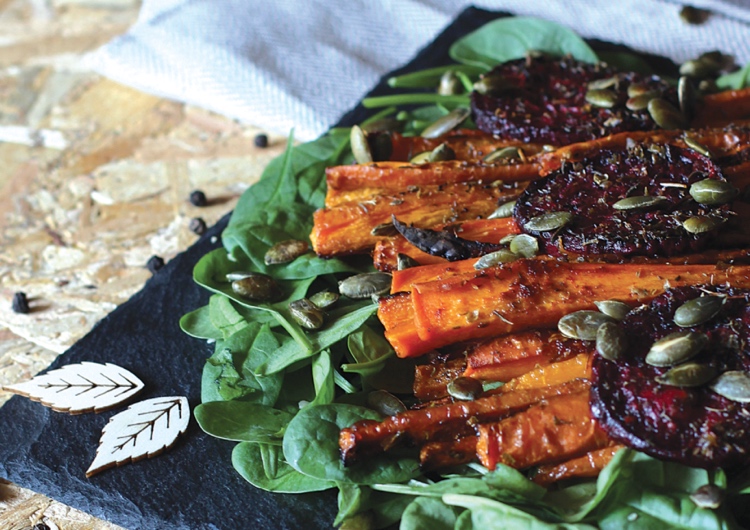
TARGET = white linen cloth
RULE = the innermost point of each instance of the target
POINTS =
(283, 64)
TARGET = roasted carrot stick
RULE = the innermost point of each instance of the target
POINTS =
(467, 144)
(431, 380)
(556, 429)
(723, 108)
(586, 466)
(443, 454)
(553, 374)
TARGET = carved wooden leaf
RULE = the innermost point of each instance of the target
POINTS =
(144, 430)
(79, 388)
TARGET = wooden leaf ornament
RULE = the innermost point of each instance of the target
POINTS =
(144, 430)
(79, 388)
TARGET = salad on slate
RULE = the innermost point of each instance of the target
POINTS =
(518, 296)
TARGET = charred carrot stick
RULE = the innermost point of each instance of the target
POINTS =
(586, 466)
(723, 108)
(401, 175)
(553, 374)
(431, 380)
(421, 425)
(556, 429)
(467, 144)
(443, 454)
(529, 294)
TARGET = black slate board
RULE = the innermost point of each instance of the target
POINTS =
(193, 486)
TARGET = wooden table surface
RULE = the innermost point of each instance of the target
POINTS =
(94, 180)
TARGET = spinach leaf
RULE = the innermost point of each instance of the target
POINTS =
(350, 499)
(263, 466)
(224, 316)
(322, 372)
(198, 324)
(428, 514)
(229, 420)
(311, 447)
(735, 80)
(506, 39)
(369, 351)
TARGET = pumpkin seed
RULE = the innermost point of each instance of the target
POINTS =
(640, 102)
(524, 245)
(706, 65)
(447, 123)
(695, 145)
(611, 341)
(493, 84)
(257, 287)
(582, 325)
(639, 202)
(365, 285)
(686, 97)
(382, 125)
(698, 310)
(384, 230)
(385, 403)
(700, 223)
(381, 146)
(306, 314)
(601, 97)
(665, 115)
(600, 84)
(687, 375)
(421, 158)
(442, 153)
(465, 388)
(507, 239)
(708, 496)
(676, 348)
(324, 299)
(613, 308)
(239, 275)
(450, 84)
(360, 145)
(504, 154)
(733, 385)
(694, 15)
(494, 259)
(504, 210)
(638, 89)
(404, 261)
(548, 221)
(712, 192)
(285, 251)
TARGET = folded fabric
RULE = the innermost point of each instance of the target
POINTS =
(302, 63)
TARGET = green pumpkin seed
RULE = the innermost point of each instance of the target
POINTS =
(450, 84)
(324, 299)
(613, 308)
(493, 84)
(360, 145)
(446, 124)
(600, 84)
(404, 261)
(257, 287)
(503, 154)
(611, 341)
(493, 259)
(638, 89)
(507, 239)
(639, 202)
(665, 115)
(525, 246)
(688, 375)
(712, 192)
(239, 275)
(384, 230)
(381, 147)
(365, 285)
(421, 158)
(686, 97)
(708, 496)
(733, 385)
(640, 102)
(676, 348)
(698, 310)
(382, 125)
(504, 210)
(695, 145)
(385, 403)
(285, 251)
(601, 97)
(700, 224)
(694, 15)
(465, 388)
(704, 66)
(582, 325)
(306, 314)
(548, 221)
(442, 153)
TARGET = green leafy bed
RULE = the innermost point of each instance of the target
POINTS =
(284, 393)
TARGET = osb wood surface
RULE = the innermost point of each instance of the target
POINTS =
(94, 180)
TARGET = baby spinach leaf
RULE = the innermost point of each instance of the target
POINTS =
(198, 324)
(242, 421)
(224, 316)
(263, 466)
(322, 372)
(506, 478)
(369, 350)
(311, 447)
(428, 514)
(506, 39)
(735, 80)
(349, 499)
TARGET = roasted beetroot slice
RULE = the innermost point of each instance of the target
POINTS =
(547, 103)
(590, 188)
(695, 426)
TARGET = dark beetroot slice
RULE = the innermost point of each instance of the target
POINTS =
(694, 426)
(549, 104)
(589, 189)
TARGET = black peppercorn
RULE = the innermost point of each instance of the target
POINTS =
(261, 140)
(197, 226)
(198, 198)
(20, 303)
(154, 264)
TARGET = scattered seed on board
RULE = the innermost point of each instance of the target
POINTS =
(676, 348)
(198, 198)
(385, 403)
(447, 123)
(324, 299)
(699, 224)
(611, 341)
(502, 211)
(306, 314)
(197, 226)
(257, 287)
(404, 261)
(20, 303)
(524, 245)
(582, 325)
(155, 264)
(698, 310)
(708, 496)
(687, 375)
(733, 385)
(494, 259)
(613, 308)
(465, 388)
(548, 221)
(712, 192)
(261, 140)
(639, 202)
(285, 251)
(365, 285)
